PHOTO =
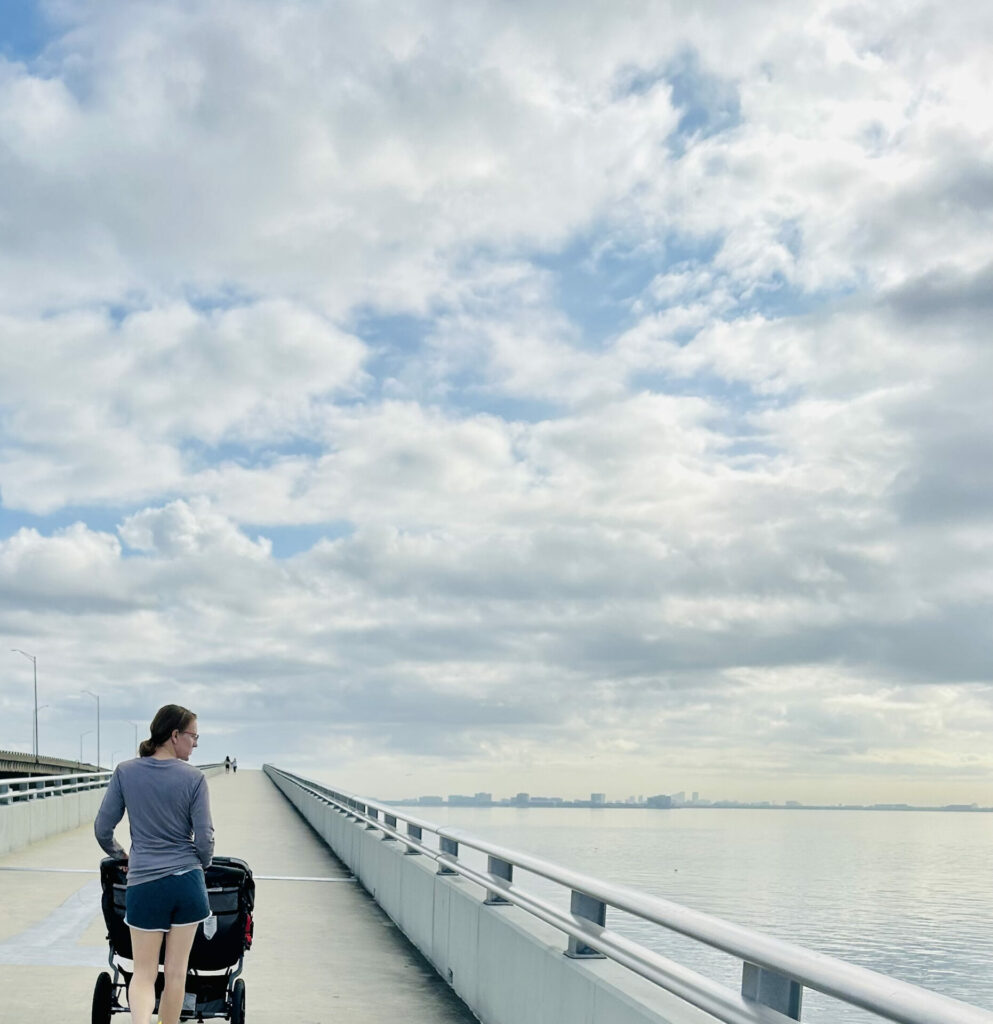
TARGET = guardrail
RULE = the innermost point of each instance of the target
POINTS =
(38, 787)
(774, 972)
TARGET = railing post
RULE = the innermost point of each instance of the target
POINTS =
(502, 869)
(4, 790)
(581, 905)
(777, 991)
(414, 831)
(451, 847)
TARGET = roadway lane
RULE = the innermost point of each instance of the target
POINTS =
(323, 950)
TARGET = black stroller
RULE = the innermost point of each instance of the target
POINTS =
(213, 988)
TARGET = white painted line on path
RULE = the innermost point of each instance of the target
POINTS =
(302, 878)
(64, 871)
(264, 878)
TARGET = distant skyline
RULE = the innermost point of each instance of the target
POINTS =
(552, 397)
(542, 801)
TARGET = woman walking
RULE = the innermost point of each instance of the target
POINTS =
(172, 841)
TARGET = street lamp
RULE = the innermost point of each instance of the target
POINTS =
(135, 724)
(97, 699)
(88, 732)
(34, 661)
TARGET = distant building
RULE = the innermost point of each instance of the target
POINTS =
(598, 798)
(546, 801)
(696, 797)
(430, 801)
(661, 800)
(522, 800)
(463, 800)
(678, 799)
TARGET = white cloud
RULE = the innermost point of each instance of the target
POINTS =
(681, 458)
(182, 529)
(99, 411)
(75, 560)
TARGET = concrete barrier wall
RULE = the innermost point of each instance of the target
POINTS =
(507, 966)
(28, 821)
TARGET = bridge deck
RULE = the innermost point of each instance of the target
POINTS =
(323, 951)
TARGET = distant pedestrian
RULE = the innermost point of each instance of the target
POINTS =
(234, 765)
(172, 841)
(227, 765)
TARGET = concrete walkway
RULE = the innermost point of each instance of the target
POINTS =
(324, 952)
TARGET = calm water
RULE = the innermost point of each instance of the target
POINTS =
(909, 894)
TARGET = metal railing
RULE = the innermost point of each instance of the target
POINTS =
(37, 787)
(774, 971)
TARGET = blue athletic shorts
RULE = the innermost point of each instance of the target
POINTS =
(176, 899)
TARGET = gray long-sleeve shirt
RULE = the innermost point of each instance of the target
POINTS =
(169, 813)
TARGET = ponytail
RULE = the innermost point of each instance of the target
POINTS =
(168, 719)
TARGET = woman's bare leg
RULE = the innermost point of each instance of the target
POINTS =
(141, 991)
(179, 942)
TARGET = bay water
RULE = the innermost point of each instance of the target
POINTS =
(905, 893)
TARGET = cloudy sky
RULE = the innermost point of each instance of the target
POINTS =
(554, 396)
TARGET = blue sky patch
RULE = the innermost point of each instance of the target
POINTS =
(394, 339)
(97, 518)
(225, 298)
(480, 401)
(293, 540)
(200, 454)
(595, 290)
(707, 103)
(24, 30)
(777, 298)
(598, 290)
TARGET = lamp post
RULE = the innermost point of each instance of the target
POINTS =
(34, 661)
(135, 724)
(97, 699)
(81, 735)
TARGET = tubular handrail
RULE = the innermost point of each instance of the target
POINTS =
(31, 787)
(858, 986)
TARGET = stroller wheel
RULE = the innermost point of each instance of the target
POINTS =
(103, 999)
(238, 1002)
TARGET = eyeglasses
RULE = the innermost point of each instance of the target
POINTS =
(195, 735)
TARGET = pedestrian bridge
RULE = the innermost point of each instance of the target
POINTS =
(364, 913)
